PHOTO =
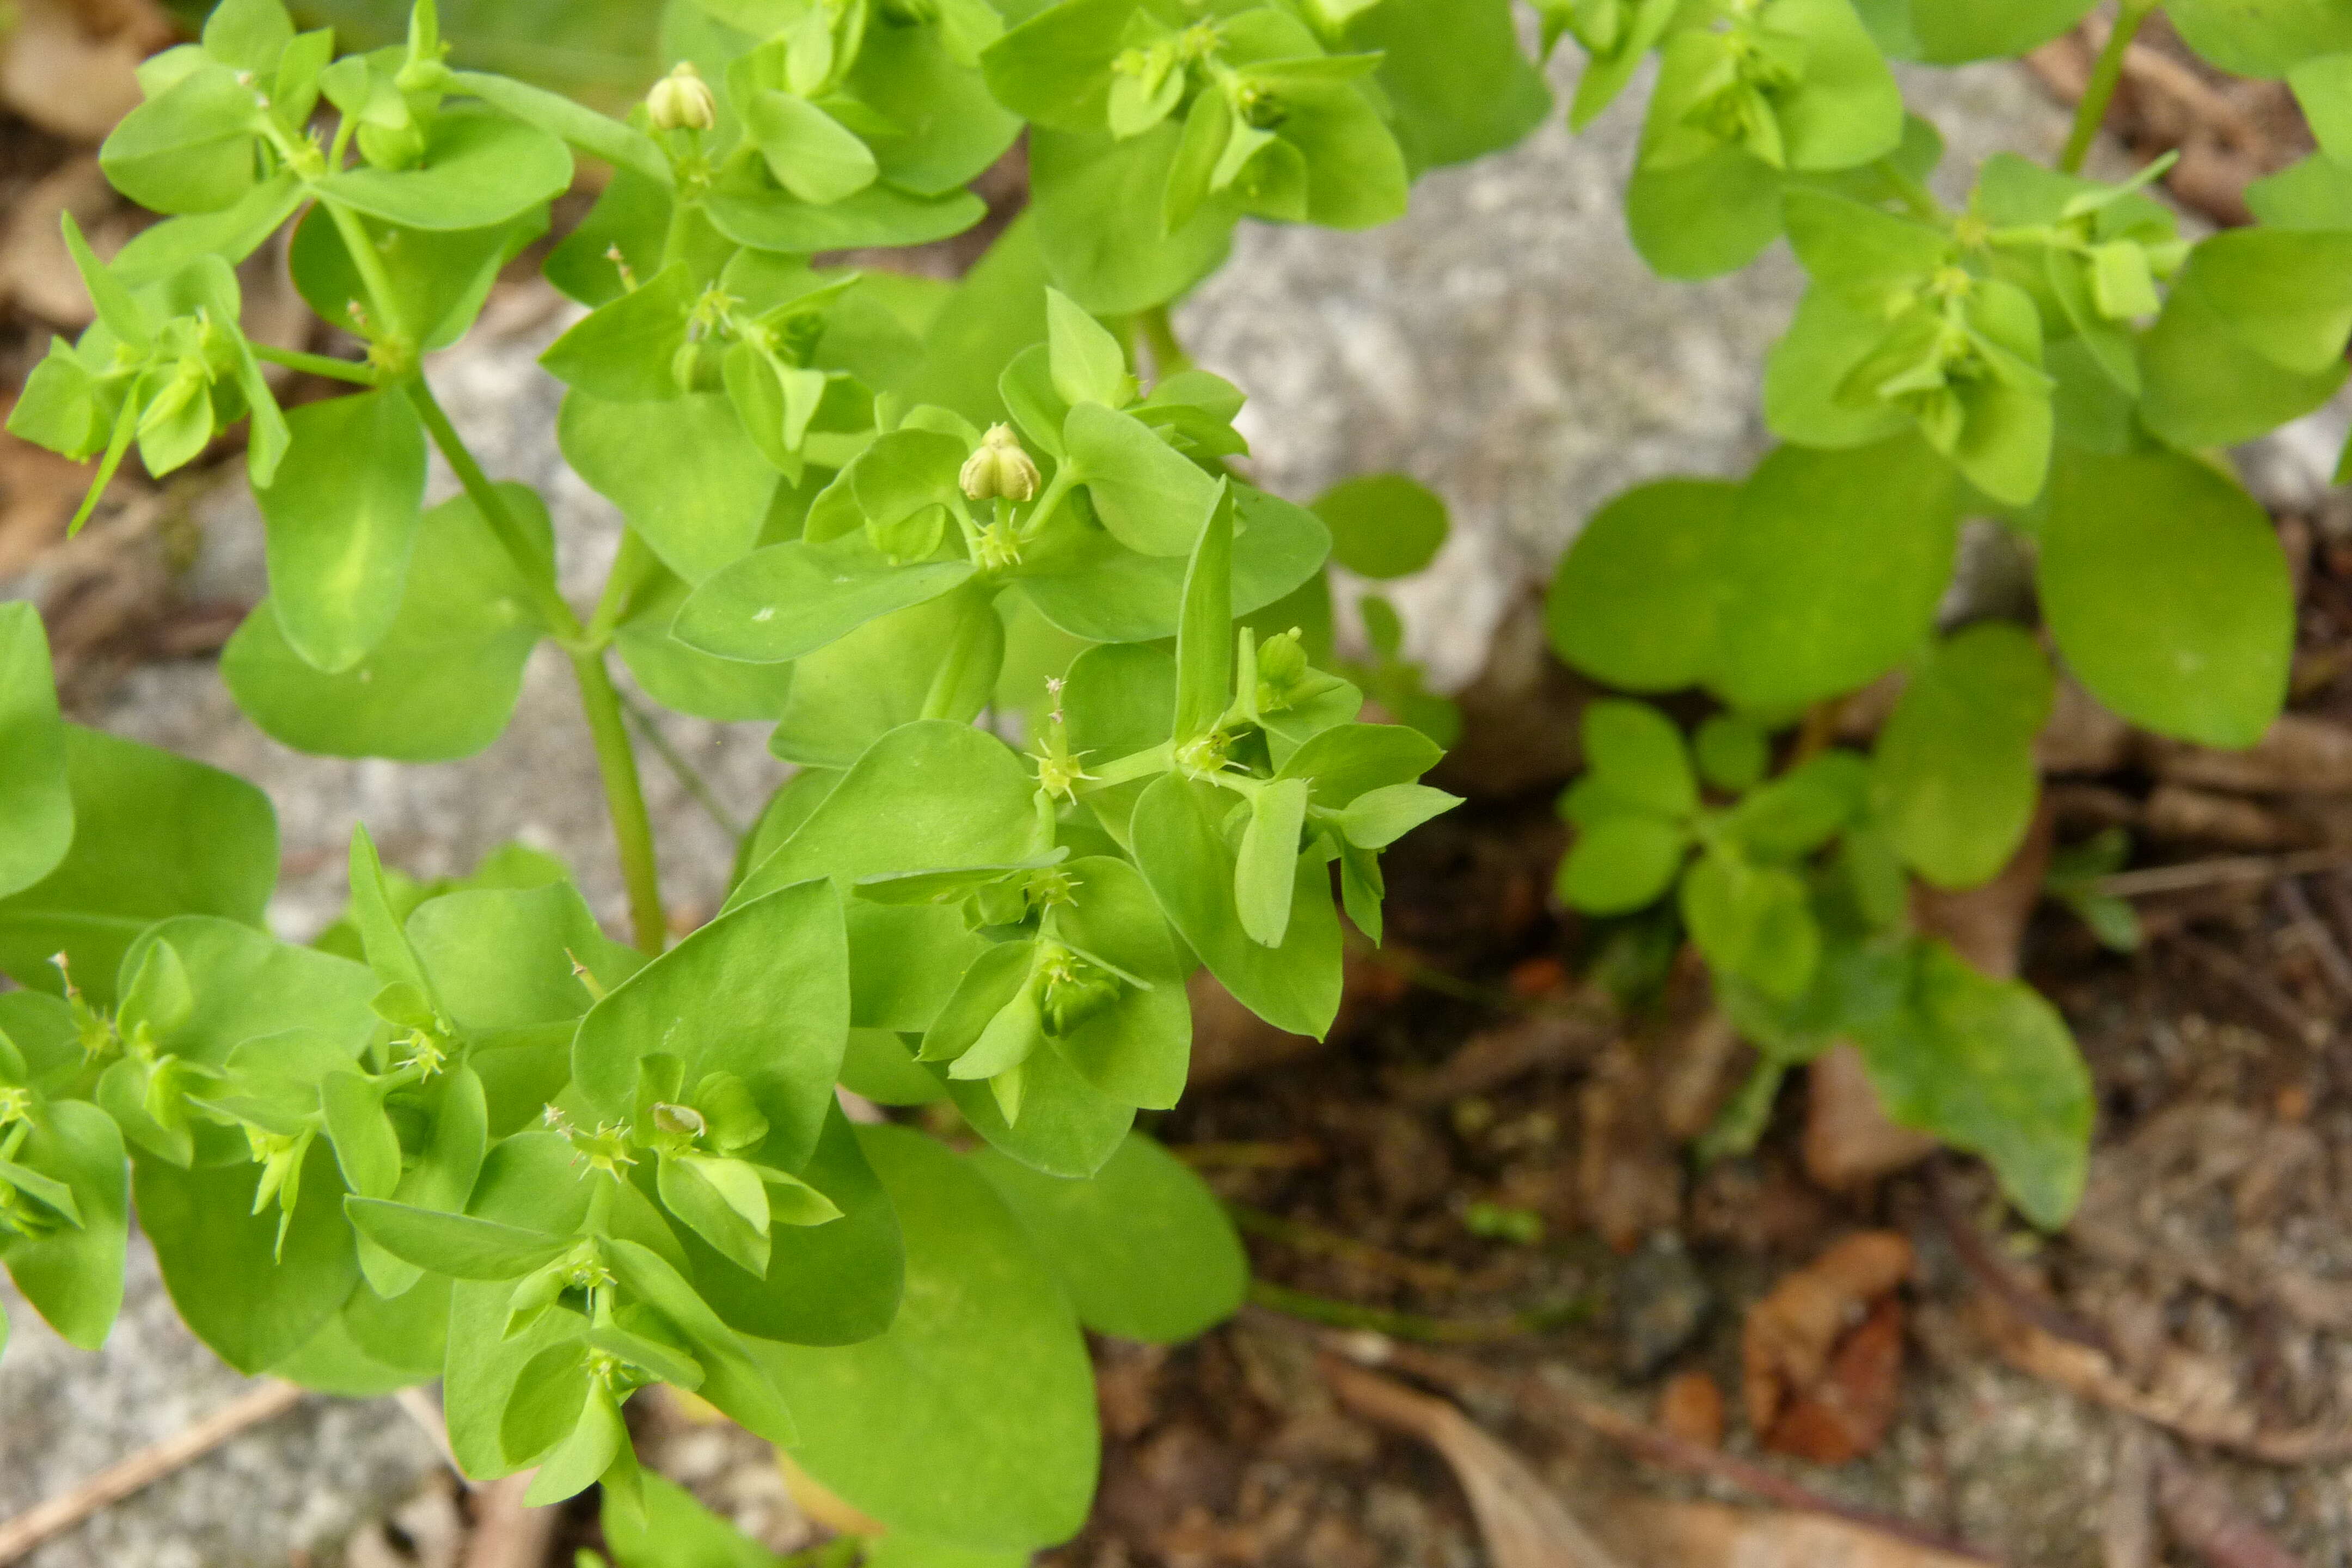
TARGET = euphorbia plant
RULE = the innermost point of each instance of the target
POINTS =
(1055, 680)
(2050, 353)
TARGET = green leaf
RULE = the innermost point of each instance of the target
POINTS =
(1638, 756)
(36, 811)
(478, 169)
(1953, 775)
(810, 152)
(1988, 1066)
(1798, 813)
(944, 129)
(2260, 37)
(1052, 68)
(1456, 82)
(984, 1329)
(1379, 817)
(1733, 753)
(342, 520)
(2209, 382)
(73, 1275)
(683, 472)
(1151, 498)
(927, 795)
(1950, 32)
(617, 142)
(440, 280)
(749, 210)
(1204, 635)
(247, 984)
(460, 1246)
(2324, 86)
(1383, 525)
(1637, 599)
(1752, 922)
(1088, 365)
(252, 1299)
(733, 1381)
(763, 992)
(1180, 848)
(680, 678)
(1840, 558)
(1099, 210)
(366, 1146)
(1096, 590)
(443, 681)
(858, 1257)
(154, 835)
(626, 350)
(789, 600)
(1143, 1247)
(848, 695)
(2166, 590)
(189, 149)
(1265, 868)
(1622, 863)
(675, 1531)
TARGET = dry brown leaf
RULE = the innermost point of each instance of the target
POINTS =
(1522, 1522)
(2179, 814)
(70, 67)
(1691, 1408)
(1787, 1341)
(1846, 1415)
(1713, 1535)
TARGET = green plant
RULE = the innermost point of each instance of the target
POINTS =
(2051, 354)
(467, 1135)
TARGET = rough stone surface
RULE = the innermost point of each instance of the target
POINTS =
(303, 1481)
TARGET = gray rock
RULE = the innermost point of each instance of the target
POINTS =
(1661, 1303)
(303, 1481)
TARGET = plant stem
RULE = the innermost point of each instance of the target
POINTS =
(625, 798)
(616, 763)
(2100, 90)
(1427, 1330)
(318, 364)
(370, 263)
(1168, 355)
(538, 570)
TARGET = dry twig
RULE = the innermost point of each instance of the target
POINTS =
(2203, 1516)
(507, 1532)
(20, 1535)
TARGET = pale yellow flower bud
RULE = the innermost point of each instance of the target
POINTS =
(1001, 468)
(682, 100)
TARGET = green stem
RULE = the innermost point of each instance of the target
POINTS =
(616, 763)
(632, 565)
(388, 325)
(624, 797)
(318, 364)
(2100, 90)
(1417, 1326)
(1168, 355)
(1916, 196)
(538, 571)
(940, 700)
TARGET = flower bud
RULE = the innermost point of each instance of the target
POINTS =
(682, 100)
(1000, 468)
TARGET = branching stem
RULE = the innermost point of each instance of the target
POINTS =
(616, 763)
(318, 364)
(2107, 73)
